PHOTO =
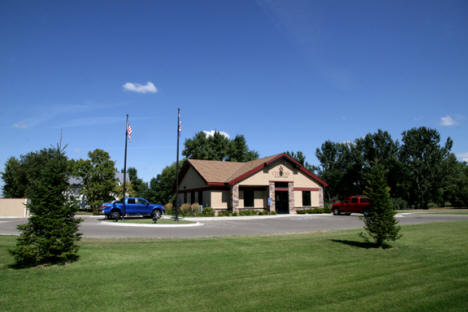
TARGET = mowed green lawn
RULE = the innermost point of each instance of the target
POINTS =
(426, 270)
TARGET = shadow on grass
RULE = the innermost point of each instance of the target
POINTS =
(31, 264)
(366, 245)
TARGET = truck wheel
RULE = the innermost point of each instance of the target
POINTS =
(115, 214)
(156, 214)
(336, 211)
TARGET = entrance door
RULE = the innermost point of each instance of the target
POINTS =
(282, 201)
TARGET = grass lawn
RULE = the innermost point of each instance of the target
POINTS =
(150, 221)
(426, 270)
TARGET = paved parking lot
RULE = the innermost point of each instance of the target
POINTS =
(91, 226)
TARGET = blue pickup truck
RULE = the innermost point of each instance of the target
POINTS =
(134, 206)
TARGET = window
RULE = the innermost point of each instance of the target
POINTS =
(364, 200)
(185, 197)
(200, 198)
(131, 201)
(192, 197)
(248, 198)
(305, 198)
(281, 184)
(354, 200)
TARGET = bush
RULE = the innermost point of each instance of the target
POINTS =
(326, 209)
(264, 212)
(248, 212)
(195, 208)
(399, 203)
(208, 212)
(169, 208)
(185, 210)
(224, 213)
(301, 211)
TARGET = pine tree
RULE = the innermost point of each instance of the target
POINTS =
(51, 234)
(379, 218)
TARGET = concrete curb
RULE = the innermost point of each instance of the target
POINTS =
(111, 223)
(241, 218)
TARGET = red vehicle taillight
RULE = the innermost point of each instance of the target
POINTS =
(103, 206)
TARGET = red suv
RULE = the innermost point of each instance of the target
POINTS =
(350, 205)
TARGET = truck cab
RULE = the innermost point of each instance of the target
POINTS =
(134, 206)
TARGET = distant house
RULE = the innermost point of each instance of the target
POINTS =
(76, 189)
(277, 183)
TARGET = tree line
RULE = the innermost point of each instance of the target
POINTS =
(419, 170)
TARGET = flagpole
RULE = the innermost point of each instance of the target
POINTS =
(125, 168)
(177, 167)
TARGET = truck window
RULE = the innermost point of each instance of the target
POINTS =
(346, 201)
(354, 200)
(131, 201)
(364, 200)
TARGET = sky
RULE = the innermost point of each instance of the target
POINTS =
(288, 75)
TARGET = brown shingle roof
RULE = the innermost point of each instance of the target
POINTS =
(224, 172)
(214, 171)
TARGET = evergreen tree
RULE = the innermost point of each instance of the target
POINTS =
(379, 219)
(51, 234)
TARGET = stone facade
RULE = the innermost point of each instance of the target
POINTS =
(291, 197)
(235, 197)
(271, 189)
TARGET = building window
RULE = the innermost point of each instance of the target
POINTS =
(305, 198)
(200, 198)
(248, 198)
(185, 197)
(192, 197)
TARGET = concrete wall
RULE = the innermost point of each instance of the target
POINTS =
(13, 207)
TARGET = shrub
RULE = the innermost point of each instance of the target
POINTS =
(235, 214)
(185, 210)
(169, 208)
(301, 212)
(224, 213)
(195, 209)
(326, 209)
(399, 203)
(264, 212)
(248, 212)
(208, 212)
(273, 213)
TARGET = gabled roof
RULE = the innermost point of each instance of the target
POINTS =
(215, 172)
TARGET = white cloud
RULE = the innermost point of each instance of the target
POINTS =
(149, 87)
(448, 121)
(463, 156)
(212, 132)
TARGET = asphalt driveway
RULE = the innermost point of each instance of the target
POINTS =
(92, 226)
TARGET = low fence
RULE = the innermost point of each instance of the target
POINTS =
(13, 208)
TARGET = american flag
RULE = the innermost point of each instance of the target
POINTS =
(180, 123)
(129, 133)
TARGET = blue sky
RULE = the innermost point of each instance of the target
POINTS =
(286, 74)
